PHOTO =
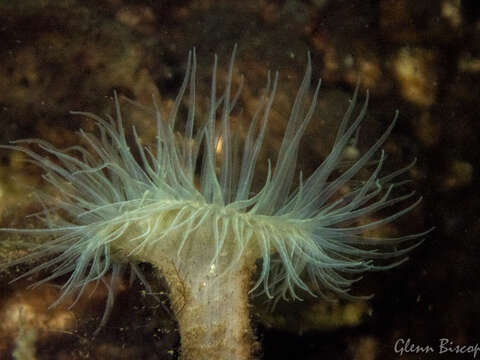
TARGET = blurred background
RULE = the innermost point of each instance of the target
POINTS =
(420, 57)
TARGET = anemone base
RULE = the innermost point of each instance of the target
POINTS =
(212, 311)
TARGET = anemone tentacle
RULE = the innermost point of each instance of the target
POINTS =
(113, 200)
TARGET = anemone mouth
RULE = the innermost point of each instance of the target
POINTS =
(131, 205)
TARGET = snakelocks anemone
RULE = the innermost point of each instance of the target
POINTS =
(213, 240)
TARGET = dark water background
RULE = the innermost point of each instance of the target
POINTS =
(421, 57)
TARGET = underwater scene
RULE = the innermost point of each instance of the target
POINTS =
(199, 179)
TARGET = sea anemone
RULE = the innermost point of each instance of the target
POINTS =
(118, 206)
